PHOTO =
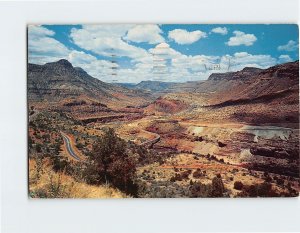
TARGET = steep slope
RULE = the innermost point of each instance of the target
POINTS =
(252, 84)
(58, 81)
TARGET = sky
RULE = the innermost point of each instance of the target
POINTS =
(131, 53)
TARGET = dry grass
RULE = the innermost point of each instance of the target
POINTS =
(45, 183)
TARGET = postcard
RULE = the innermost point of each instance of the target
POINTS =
(163, 110)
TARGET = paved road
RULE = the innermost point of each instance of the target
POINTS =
(69, 147)
(150, 143)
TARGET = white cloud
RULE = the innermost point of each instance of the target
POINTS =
(290, 46)
(220, 30)
(241, 38)
(38, 31)
(106, 39)
(145, 33)
(100, 39)
(97, 68)
(43, 59)
(80, 57)
(47, 46)
(182, 36)
(195, 63)
(243, 59)
(285, 58)
(42, 48)
(162, 45)
(164, 51)
(182, 68)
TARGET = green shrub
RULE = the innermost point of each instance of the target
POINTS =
(112, 162)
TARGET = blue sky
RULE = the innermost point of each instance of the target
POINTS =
(172, 52)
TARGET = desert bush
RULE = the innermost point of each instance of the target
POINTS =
(280, 181)
(55, 187)
(176, 177)
(258, 190)
(79, 145)
(112, 162)
(185, 174)
(234, 170)
(45, 183)
(197, 189)
(217, 187)
(221, 144)
(38, 148)
(181, 176)
(263, 190)
(238, 185)
(52, 189)
(56, 147)
(197, 173)
(59, 163)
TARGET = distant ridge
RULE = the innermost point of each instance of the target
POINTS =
(250, 83)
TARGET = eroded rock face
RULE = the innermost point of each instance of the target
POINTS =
(56, 81)
(251, 84)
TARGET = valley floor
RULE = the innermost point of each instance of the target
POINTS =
(181, 154)
(198, 151)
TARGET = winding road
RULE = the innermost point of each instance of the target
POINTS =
(69, 147)
(151, 142)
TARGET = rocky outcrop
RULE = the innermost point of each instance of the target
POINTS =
(251, 84)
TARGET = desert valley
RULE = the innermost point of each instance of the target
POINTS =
(235, 134)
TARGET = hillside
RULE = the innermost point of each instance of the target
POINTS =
(249, 96)
(60, 81)
(252, 83)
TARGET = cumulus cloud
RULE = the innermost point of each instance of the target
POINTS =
(220, 30)
(80, 57)
(290, 46)
(182, 36)
(100, 39)
(244, 59)
(98, 68)
(179, 67)
(241, 38)
(201, 66)
(38, 31)
(164, 51)
(285, 58)
(42, 48)
(145, 33)
(106, 39)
